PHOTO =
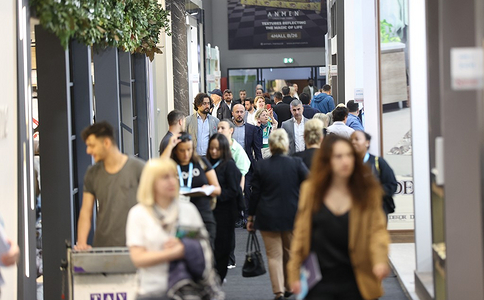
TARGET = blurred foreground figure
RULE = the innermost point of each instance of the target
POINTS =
(340, 221)
(167, 240)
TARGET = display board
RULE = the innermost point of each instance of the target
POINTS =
(263, 24)
(403, 217)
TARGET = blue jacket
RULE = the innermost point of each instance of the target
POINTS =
(323, 102)
(354, 122)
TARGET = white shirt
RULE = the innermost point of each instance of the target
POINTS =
(340, 128)
(299, 135)
(251, 117)
(143, 229)
(215, 109)
(311, 89)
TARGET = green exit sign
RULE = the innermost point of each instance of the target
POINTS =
(288, 60)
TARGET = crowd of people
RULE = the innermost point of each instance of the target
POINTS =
(293, 166)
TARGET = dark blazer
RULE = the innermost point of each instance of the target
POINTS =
(283, 112)
(307, 91)
(234, 102)
(387, 179)
(224, 111)
(307, 156)
(253, 143)
(229, 177)
(275, 204)
(287, 99)
(309, 112)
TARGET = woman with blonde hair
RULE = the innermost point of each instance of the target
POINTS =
(340, 222)
(313, 136)
(261, 103)
(266, 123)
(153, 232)
(324, 118)
(273, 206)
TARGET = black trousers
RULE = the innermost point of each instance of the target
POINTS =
(337, 284)
(210, 225)
(232, 253)
(223, 241)
(247, 192)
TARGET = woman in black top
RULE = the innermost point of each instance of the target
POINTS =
(194, 172)
(380, 168)
(225, 212)
(313, 136)
(273, 206)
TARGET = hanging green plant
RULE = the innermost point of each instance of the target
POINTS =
(386, 32)
(130, 25)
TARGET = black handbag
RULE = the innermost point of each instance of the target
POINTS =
(254, 264)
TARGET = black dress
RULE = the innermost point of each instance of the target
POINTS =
(330, 238)
(199, 179)
(225, 212)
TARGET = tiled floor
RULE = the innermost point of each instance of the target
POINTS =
(402, 258)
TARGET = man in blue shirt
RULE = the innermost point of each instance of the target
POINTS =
(201, 125)
(353, 121)
(324, 101)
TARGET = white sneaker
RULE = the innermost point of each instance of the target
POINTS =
(231, 266)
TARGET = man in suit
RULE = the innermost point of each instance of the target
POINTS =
(309, 112)
(250, 138)
(201, 125)
(220, 108)
(310, 89)
(282, 109)
(229, 100)
(295, 128)
(286, 93)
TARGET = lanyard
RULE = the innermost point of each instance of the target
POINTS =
(367, 157)
(190, 176)
(216, 164)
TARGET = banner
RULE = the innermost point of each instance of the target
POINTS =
(404, 217)
(267, 24)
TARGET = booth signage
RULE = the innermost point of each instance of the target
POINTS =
(359, 95)
(403, 218)
(466, 68)
(262, 24)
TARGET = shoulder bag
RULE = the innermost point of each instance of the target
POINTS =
(254, 264)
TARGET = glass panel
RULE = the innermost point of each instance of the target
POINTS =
(396, 126)
(243, 79)
(276, 78)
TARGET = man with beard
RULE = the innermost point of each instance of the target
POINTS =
(250, 138)
(229, 99)
(201, 125)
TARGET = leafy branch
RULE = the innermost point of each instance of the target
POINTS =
(130, 25)
(386, 33)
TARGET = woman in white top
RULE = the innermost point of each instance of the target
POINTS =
(152, 224)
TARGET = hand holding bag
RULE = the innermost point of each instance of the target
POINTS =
(254, 264)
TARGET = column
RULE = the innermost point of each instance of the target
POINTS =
(180, 54)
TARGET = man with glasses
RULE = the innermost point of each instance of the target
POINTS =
(201, 125)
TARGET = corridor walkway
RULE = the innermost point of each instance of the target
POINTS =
(259, 288)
